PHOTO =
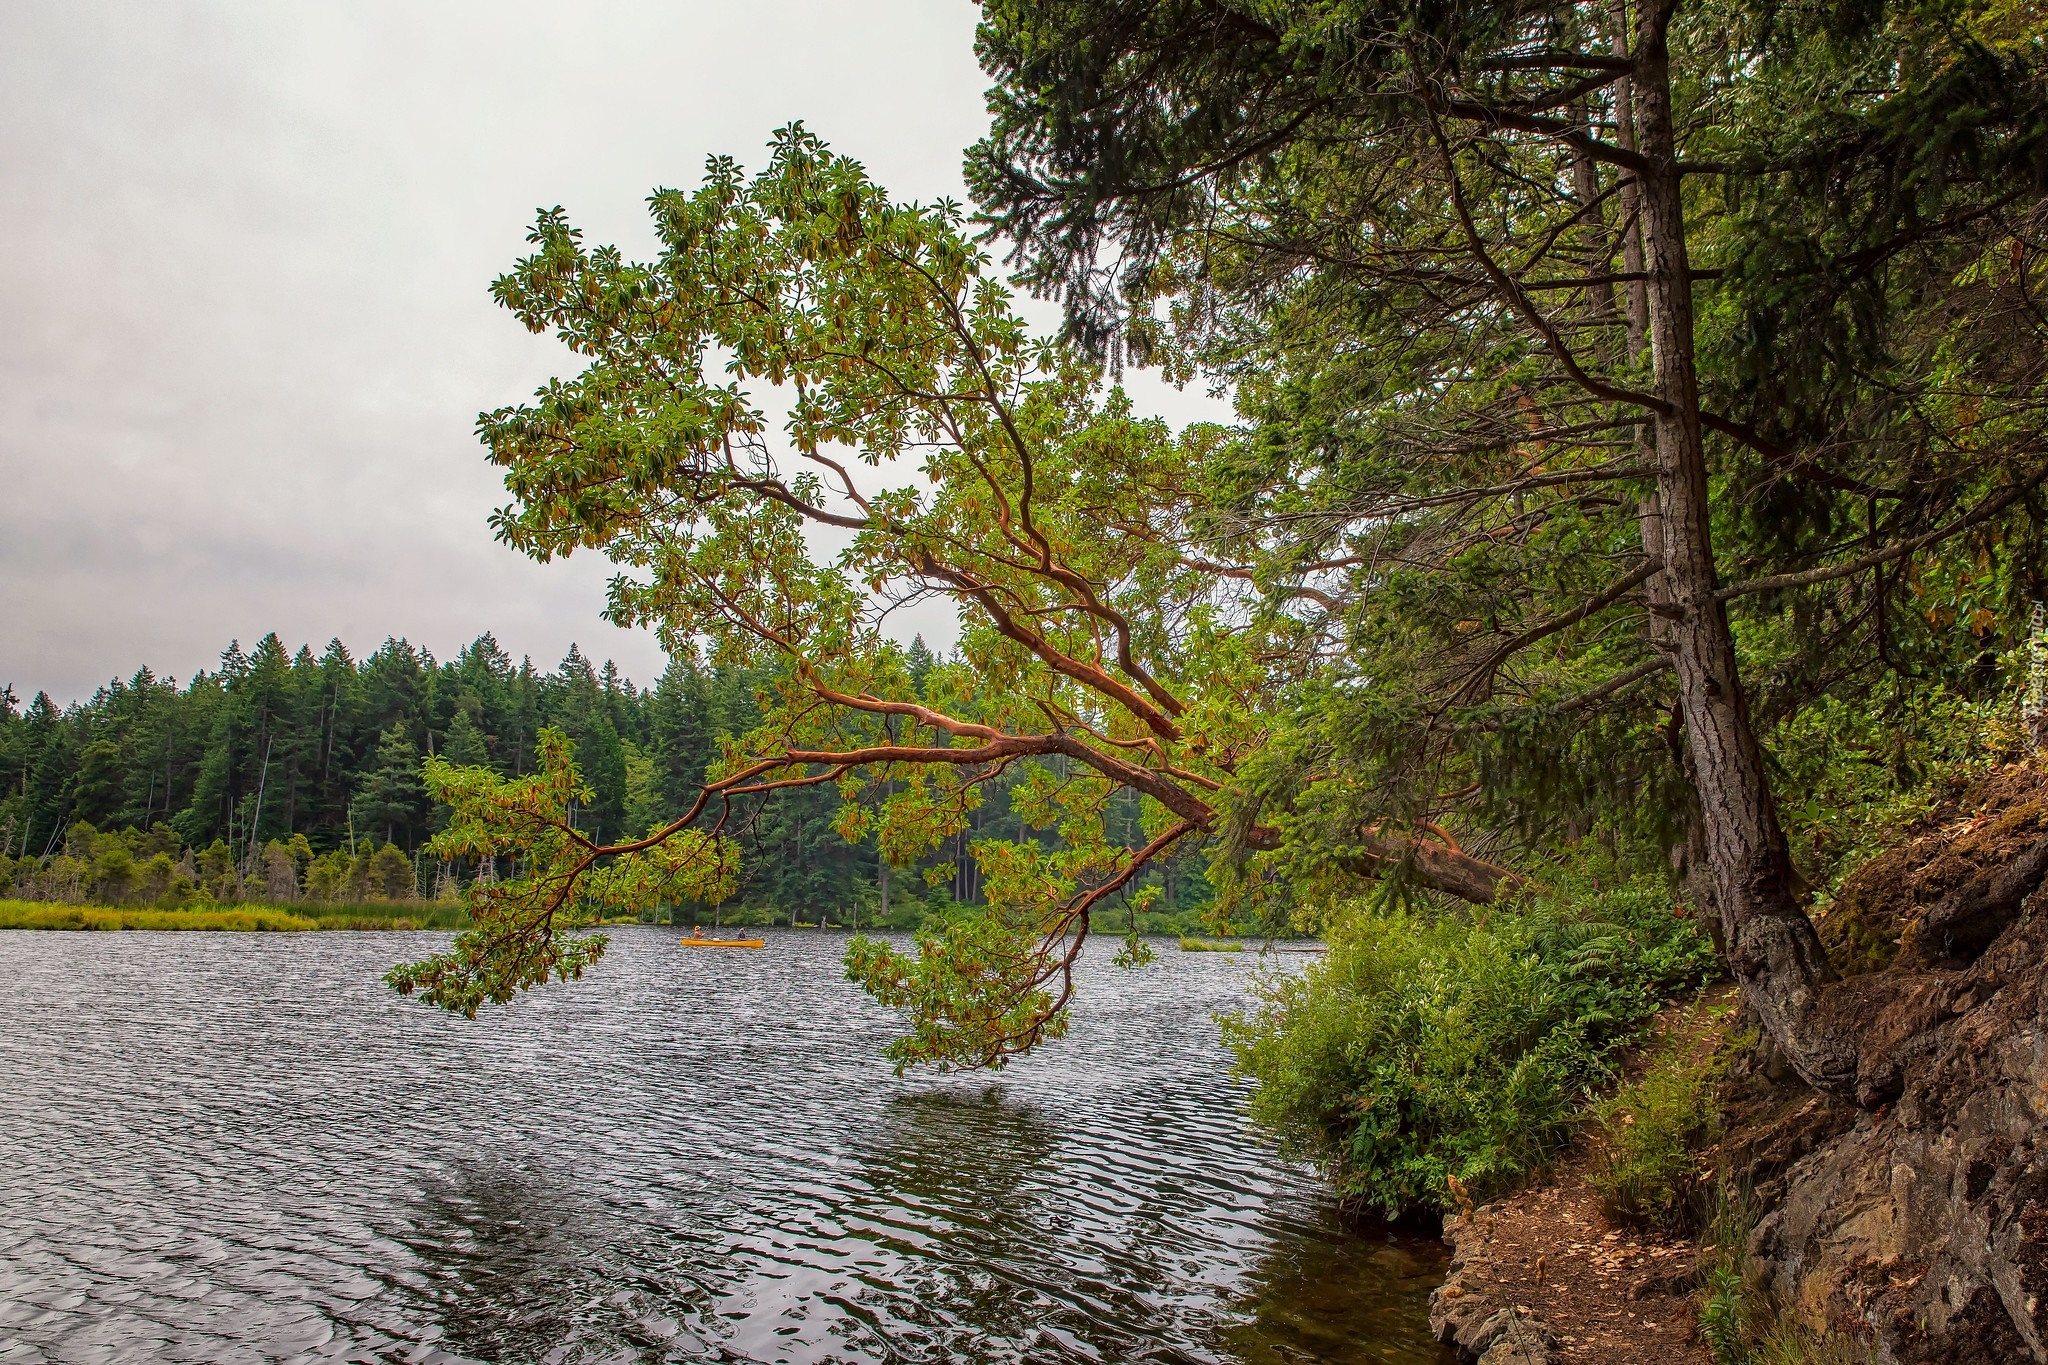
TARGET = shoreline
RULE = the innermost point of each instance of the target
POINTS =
(47, 917)
(262, 917)
(1552, 1274)
(1542, 1277)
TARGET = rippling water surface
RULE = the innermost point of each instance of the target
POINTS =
(242, 1147)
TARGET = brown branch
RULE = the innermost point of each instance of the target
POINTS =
(1520, 302)
(1074, 582)
(1482, 674)
(1086, 674)
(1989, 507)
(1778, 455)
(1599, 474)
(1559, 61)
(773, 488)
(1592, 696)
(1569, 133)
(1138, 859)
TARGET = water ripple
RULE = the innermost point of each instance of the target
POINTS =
(232, 1147)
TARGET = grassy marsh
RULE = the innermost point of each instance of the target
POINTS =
(1203, 945)
(234, 919)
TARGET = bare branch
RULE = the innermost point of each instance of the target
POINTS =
(1988, 508)
(1481, 676)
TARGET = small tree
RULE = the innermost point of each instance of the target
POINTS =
(391, 798)
(389, 875)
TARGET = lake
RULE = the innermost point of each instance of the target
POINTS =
(243, 1147)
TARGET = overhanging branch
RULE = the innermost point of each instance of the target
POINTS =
(1983, 511)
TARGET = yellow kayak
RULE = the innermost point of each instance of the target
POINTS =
(723, 942)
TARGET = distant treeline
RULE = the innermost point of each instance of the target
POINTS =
(282, 776)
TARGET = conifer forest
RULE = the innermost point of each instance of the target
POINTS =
(285, 775)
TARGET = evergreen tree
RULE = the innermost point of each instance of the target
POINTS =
(917, 661)
(464, 746)
(96, 790)
(603, 758)
(483, 673)
(48, 762)
(680, 737)
(391, 797)
(522, 720)
(337, 703)
(216, 781)
(394, 686)
(643, 798)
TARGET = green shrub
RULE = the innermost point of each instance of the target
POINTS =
(1646, 1170)
(1723, 1314)
(1424, 1047)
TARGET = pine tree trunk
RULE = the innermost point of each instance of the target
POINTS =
(1772, 947)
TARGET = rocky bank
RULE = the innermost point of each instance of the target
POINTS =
(1914, 1228)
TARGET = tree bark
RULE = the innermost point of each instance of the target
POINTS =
(1434, 866)
(1773, 950)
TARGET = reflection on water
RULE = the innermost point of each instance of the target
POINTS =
(243, 1147)
(1328, 1291)
(512, 1260)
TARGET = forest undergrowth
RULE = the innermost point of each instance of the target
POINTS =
(1445, 1053)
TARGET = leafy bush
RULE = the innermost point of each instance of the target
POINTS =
(1425, 1047)
(1646, 1170)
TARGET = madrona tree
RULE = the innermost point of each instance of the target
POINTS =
(1618, 375)
(943, 452)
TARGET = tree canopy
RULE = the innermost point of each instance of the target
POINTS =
(1616, 384)
(1613, 375)
(1094, 656)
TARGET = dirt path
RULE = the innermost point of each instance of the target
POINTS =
(1601, 1295)
(1545, 1275)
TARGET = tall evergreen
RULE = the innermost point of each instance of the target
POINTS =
(679, 734)
(391, 801)
(464, 746)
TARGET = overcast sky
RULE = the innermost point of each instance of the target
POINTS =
(244, 255)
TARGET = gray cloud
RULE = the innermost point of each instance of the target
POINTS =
(245, 256)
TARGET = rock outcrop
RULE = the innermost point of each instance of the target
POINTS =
(1465, 1312)
(1913, 1221)
(1922, 1227)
